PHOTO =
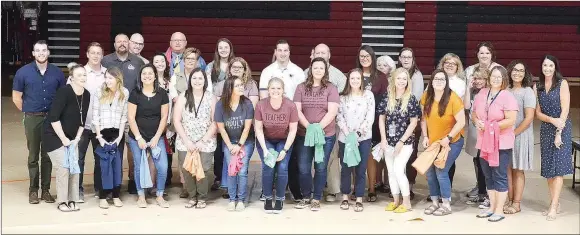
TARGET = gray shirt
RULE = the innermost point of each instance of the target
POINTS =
(131, 68)
(417, 84)
(234, 121)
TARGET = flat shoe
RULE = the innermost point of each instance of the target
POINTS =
(484, 215)
(391, 207)
(401, 209)
(496, 218)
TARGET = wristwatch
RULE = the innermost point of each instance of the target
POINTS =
(449, 137)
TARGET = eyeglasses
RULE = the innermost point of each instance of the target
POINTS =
(495, 78)
(238, 67)
(138, 43)
(519, 70)
(450, 64)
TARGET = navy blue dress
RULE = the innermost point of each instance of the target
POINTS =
(555, 162)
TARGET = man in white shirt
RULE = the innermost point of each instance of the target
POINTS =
(292, 75)
(136, 45)
(284, 69)
(337, 78)
(95, 80)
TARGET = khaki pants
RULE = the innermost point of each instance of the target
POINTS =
(197, 189)
(67, 185)
(333, 169)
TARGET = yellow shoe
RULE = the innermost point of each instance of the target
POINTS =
(401, 209)
(391, 207)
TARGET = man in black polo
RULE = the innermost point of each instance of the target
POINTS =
(34, 87)
(130, 66)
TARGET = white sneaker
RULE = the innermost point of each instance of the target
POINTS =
(232, 206)
(240, 206)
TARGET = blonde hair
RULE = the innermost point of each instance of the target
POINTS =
(392, 91)
(188, 51)
(455, 58)
(107, 94)
(274, 80)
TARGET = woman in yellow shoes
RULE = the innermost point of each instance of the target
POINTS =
(399, 113)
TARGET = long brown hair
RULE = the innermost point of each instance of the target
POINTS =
(310, 79)
(374, 70)
(226, 98)
(413, 68)
(527, 81)
(189, 102)
(215, 71)
(347, 89)
(247, 76)
(430, 98)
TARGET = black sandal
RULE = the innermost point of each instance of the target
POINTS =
(73, 206)
(192, 203)
(63, 207)
(344, 205)
(358, 207)
(372, 197)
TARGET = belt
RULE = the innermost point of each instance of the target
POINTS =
(36, 113)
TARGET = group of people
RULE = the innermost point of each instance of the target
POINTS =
(341, 127)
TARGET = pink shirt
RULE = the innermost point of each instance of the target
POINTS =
(505, 101)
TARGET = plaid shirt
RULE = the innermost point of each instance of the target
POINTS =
(110, 115)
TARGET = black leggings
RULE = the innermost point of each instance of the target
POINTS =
(481, 186)
(218, 159)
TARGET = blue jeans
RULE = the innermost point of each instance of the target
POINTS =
(305, 167)
(160, 166)
(281, 168)
(360, 170)
(237, 185)
(438, 179)
(496, 177)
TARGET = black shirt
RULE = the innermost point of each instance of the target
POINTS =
(66, 108)
(148, 114)
(397, 122)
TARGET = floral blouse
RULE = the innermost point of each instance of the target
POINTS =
(356, 113)
(397, 122)
(196, 127)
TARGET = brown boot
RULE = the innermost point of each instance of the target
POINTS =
(33, 197)
(47, 197)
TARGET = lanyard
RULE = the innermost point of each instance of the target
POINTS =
(196, 109)
(490, 103)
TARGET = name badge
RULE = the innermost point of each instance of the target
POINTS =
(392, 130)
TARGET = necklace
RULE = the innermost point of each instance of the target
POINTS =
(80, 106)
